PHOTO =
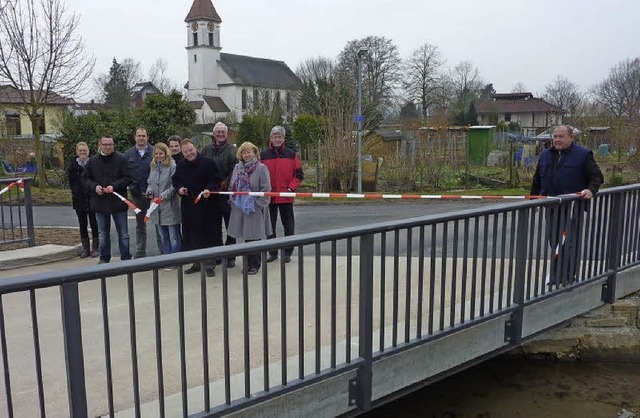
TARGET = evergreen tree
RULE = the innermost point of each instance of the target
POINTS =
(116, 91)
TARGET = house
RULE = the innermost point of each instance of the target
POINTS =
(222, 85)
(534, 115)
(15, 121)
(81, 109)
(140, 91)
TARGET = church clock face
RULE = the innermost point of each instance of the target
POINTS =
(194, 26)
(210, 26)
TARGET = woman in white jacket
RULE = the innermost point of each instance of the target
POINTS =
(166, 217)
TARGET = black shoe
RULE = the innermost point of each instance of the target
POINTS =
(252, 271)
(231, 263)
(103, 262)
(139, 255)
(287, 258)
(193, 269)
(211, 272)
(272, 257)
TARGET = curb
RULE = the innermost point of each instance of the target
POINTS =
(32, 256)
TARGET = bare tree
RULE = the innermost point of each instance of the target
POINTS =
(42, 57)
(519, 87)
(158, 76)
(381, 74)
(463, 86)
(328, 92)
(620, 92)
(565, 94)
(422, 76)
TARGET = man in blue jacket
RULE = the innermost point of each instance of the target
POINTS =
(566, 168)
(139, 159)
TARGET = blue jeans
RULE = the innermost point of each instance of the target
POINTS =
(104, 229)
(170, 238)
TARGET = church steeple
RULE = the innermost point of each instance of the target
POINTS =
(203, 49)
(202, 10)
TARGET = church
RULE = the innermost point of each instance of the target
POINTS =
(225, 85)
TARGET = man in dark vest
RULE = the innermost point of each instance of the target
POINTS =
(566, 168)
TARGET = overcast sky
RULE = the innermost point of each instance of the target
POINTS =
(510, 41)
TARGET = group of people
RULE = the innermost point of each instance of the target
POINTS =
(182, 182)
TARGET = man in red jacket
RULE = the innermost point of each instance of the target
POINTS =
(286, 175)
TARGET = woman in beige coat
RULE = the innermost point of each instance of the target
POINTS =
(249, 218)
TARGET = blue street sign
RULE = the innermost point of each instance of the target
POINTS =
(358, 118)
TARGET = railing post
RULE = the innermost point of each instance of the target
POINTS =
(614, 247)
(74, 357)
(513, 331)
(361, 389)
(28, 210)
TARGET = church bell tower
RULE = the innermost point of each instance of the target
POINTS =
(203, 49)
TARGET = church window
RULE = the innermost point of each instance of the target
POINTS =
(210, 39)
(288, 102)
(256, 98)
(195, 39)
(244, 99)
(276, 99)
(266, 99)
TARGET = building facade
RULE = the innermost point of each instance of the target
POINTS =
(534, 115)
(15, 122)
(223, 85)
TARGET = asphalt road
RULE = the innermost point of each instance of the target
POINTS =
(309, 218)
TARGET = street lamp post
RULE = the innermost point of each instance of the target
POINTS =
(359, 118)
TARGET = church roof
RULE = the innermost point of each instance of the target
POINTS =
(259, 72)
(202, 10)
(216, 104)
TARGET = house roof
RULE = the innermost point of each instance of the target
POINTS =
(10, 95)
(259, 72)
(528, 105)
(202, 10)
(512, 96)
(145, 87)
(91, 106)
(216, 104)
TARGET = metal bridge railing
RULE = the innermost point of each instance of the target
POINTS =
(16, 212)
(143, 337)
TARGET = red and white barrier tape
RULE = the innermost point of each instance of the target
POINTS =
(153, 206)
(12, 185)
(377, 196)
(133, 207)
(560, 245)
